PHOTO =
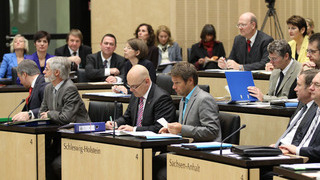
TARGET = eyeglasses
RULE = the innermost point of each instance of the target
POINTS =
(273, 58)
(134, 86)
(310, 51)
(241, 25)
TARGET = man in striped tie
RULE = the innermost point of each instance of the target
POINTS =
(148, 103)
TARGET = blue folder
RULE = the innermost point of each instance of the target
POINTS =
(238, 82)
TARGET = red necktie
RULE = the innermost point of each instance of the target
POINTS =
(140, 112)
(248, 45)
(30, 91)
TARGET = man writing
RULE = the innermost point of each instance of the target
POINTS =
(106, 65)
(249, 51)
(148, 103)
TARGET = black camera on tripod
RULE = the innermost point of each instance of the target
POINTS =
(270, 3)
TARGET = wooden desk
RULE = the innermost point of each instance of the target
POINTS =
(22, 151)
(203, 165)
(295, 175)
(12, 95)
(264, 125)
(217, 81)
(99, 157)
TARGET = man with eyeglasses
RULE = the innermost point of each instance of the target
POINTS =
(106, 65)
(313, 52)
(283, 79)
(249, 51)
(148, 103)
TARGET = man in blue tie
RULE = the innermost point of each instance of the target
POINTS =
(198, 111)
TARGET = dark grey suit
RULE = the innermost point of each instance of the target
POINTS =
(258, 56)
(36, 97)
(70, 107)
(83, 52)
(95, 69)
(158, 105)
(200, 120)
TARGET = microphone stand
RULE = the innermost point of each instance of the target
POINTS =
(23, 100)
(243, 126)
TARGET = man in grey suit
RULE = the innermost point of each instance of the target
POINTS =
(62, 102)
(148, 103)
(283, 79)
(198, 111)
(249, 51)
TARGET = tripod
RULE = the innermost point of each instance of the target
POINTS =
(272, 13)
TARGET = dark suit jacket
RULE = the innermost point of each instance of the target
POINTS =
(313, 150)
(95, 69)
(70, 107)
(143, 62)
(198, 51)
(258, 56)
(153, 55)
(158, 104)
(84, 50)
(36, 97)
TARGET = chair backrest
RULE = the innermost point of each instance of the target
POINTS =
(101, 111)
(230, 123)
(205, 87)
(14, 75)
(164, 81)
(189, 54)
(81, 73)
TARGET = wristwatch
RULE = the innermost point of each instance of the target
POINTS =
(30, 114)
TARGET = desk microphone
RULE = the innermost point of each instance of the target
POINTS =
(114, 119)
(243, 126)
(23, 100)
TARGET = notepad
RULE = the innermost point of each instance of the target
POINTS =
(238, 82)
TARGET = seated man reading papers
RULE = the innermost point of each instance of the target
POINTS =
(284, 76)
(148, 103)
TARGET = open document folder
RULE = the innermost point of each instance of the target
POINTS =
(238, 82)
(141, 134)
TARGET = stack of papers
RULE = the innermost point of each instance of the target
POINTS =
(206, 145)
(141, 134)
(297, 167)
(109, 94)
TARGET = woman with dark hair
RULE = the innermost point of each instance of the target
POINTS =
(169, 50)
(41, 42)
(297, 27)
(145, 32)
(136, 52)
(205, 54)
(18, 47)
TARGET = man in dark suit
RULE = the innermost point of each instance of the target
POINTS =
(30, 78)
(148, 103)
(249, 51)
(313, 52)
(106, 65)
(306, 140)
(283, 79)
(62, 102)
(74, 49)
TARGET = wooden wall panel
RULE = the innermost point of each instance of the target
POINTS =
(187, 17)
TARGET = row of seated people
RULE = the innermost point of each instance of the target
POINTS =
(243, 56)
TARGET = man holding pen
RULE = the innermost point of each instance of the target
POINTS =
(148, 103)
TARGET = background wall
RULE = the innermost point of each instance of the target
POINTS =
(187, 17)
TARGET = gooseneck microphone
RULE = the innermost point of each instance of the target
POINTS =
(243, 126)
(23, 100)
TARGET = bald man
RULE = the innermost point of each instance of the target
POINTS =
(249, 51)
(148, 103)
